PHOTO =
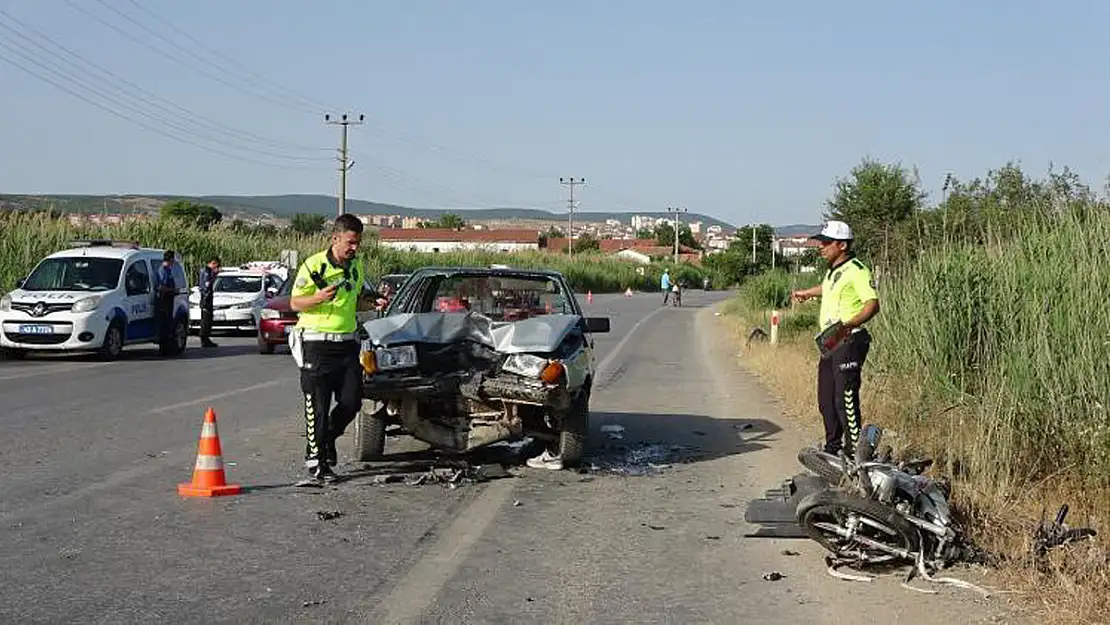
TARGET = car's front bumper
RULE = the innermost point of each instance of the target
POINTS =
(73, 333)
(225, 318)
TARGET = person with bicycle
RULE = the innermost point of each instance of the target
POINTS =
(848, 301)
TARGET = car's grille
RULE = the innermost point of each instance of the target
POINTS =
(47, 308)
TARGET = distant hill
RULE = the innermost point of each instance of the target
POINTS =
(794, 230)
(285, 206)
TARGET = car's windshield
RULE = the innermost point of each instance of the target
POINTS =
(501, 298)
(75, 274)
(237, 284)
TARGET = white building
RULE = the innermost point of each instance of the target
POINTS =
(447, 240)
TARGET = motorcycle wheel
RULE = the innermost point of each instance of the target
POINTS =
(881, 534)
(828, 466)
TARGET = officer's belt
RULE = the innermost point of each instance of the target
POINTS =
(333, 337)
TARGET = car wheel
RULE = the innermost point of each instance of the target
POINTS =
(113, 342)
(264, 346)
(179, 340)
(369, 433)
(575, 431)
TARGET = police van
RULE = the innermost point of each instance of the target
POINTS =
(96, 296)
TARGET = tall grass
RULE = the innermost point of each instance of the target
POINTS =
(25, 238)
(1016, 334)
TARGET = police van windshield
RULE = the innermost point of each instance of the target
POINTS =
(75, 274)
(237, 284)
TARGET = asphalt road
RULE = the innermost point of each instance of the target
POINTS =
(93, 529)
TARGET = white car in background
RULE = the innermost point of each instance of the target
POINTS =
(238, 297)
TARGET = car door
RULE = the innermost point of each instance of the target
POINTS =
(138, 301)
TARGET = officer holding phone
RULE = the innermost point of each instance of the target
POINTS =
(325, 343)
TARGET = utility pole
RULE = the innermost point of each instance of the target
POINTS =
(345, 165)
(676, 211)
(571, 182)
(753, 244)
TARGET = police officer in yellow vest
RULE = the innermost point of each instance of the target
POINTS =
(848, 301)
(325, 343)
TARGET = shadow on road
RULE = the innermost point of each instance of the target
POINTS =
(142, 353)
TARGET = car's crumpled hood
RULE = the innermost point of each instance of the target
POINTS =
(536, 334)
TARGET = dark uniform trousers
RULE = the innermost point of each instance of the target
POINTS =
(839, 375)
(329, 369)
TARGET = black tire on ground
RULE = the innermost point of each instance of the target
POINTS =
(113, 342)
(369, 432)
(828, 466)
(575, 432)
(179, 340)
(264, 346)
(827, 504)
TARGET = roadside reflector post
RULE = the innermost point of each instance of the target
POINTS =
(774, 327)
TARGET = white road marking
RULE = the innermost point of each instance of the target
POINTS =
(210, 398)
(420, 586)
(39, 370)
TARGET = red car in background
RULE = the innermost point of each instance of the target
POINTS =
(276, 320)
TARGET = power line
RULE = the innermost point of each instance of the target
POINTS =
(304, 97)
(345, 164)
(571, 182)
(676, 212)
(178, 60)
(108, 109)
(115, 81)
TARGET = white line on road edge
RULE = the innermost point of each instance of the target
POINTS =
(205, 400)
(424, 581)
(420, 586)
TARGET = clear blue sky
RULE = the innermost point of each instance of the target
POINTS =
(742, 110)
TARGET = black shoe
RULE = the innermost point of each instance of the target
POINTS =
(323, 473)
(331, 454)
(208, 344)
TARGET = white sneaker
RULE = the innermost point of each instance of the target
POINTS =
(546, 460)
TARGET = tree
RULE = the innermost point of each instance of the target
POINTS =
(202, 216)
(876, 200)
(586, 242)
(742, 244)
(305, 223)
(450, 221)
(648, 233)
(553, 232)
(664, 236)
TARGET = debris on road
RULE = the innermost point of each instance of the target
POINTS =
(313, 602)
(613, 431)
(654, 527)
(643, 458)
(328, 515)
(773, 576)
(449, 477)
(788, 552)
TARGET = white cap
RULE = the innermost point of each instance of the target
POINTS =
(834, 231)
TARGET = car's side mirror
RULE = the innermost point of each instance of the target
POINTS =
(270, 292)
(597, 325)
(20, 282)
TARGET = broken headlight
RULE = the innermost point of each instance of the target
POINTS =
(387, 358)
(526, 365)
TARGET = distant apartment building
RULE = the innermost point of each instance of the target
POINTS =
(104, 219)
(447, 240)
(795, 246)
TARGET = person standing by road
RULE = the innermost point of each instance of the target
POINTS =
(165, 288)
(325, 292)
(665, 284)
(205, 284)
(848, 301)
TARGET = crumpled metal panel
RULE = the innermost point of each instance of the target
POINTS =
(535, 334)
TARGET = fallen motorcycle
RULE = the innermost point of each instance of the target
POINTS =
(876, 511)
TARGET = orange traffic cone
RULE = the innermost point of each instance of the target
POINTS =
(208, 474)
(590, 296)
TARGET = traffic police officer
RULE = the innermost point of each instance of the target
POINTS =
(325, 292)
(848, 300)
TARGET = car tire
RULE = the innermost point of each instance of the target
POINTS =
(369, 433)
(113, 342)
(178, 342)
(264, 347)
(575, 432)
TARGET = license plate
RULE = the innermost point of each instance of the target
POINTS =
(36, 329)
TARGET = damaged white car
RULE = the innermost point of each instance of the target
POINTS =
(466, 357)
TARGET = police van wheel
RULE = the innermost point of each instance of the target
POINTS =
(175, 347)
(369, 434)
(113, 342)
